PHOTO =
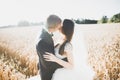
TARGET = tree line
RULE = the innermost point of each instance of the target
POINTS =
(85, 21)
(114, 19)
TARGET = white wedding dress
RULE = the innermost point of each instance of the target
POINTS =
(81, 70)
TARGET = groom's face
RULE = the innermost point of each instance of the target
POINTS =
(57, 27)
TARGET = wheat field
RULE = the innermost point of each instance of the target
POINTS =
(18, 57)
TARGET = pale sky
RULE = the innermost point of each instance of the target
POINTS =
(13, 11)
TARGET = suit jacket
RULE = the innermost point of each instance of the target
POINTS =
(46, 44)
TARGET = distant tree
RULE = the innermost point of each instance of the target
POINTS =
(85, 21)
(23, 23)
(88, 21)
(104, 19)
(115, 18)
(77, 21)
(37, 24)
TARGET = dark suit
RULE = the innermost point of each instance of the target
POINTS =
(46, 44)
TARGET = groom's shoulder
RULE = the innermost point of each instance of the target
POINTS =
(41, 42)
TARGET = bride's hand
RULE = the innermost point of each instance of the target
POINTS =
(50, 57)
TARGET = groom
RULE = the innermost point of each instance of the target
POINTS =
(46, 44)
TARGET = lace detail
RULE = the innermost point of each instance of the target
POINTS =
(57, 53)
(68, 47)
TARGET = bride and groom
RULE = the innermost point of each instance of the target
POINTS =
(56, 61)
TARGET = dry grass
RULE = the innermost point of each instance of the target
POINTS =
(104, 52)
(18, 44)
(103, 42)
(7, 71)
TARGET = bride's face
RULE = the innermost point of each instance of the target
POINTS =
(58, 37)
(61, 34)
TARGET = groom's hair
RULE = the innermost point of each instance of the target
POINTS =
(52, 21)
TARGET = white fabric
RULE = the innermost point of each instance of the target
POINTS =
(68, 48)
(57, 53)
(81, 70)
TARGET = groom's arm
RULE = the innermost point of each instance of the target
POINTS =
(40, 51)
(43, 47)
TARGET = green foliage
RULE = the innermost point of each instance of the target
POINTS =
(115, 18)
(104, 19)
(85, 21)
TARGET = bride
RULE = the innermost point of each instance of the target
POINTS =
(67, 54)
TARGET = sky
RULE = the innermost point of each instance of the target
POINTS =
(13, 11)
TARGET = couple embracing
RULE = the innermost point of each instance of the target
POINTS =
(53, 59)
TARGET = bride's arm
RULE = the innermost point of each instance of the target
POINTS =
(65, 64)
(53, 58)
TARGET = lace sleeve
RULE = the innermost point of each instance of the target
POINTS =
(68, 48)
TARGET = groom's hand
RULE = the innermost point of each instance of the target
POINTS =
(50, 57)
